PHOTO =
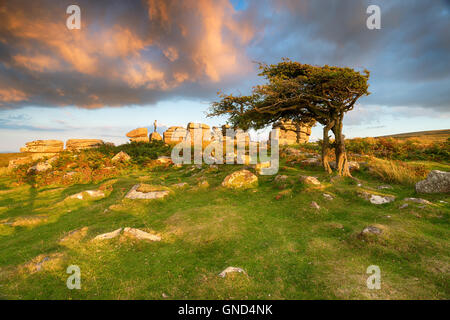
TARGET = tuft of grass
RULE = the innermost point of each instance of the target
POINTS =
(397, 171)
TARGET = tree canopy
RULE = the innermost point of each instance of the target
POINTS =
(302, 93)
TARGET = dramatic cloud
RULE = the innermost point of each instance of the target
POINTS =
(141, 52)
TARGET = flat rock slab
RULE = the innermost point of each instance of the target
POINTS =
(376, 199)
(157, 194)
(231, 270)
(109, 235)
(141, 235)
(86, 194)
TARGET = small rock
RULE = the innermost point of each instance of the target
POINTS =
(109, 235)
(314, 205)
(151, 194)
(403, 206)
(231, 270)
(384, 187)
(376, 199)
(203, 184)
(90, 193)
(280, 178)
(328, 196)
(241, 179)
(310, 180)
(164, 295)
(371, 230)
(417, 200)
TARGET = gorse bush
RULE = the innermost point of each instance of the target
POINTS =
(140, 152)
(390, 148)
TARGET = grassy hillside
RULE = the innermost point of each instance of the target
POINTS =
(288, 249)
(422, 136)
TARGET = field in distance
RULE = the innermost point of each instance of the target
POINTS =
(422, 136)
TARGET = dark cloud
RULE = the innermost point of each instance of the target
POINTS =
(143, 51)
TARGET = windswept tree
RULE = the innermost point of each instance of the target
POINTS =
(302, 93)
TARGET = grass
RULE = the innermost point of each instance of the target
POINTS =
(288, 249)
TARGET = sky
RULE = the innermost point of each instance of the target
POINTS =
(133, 62)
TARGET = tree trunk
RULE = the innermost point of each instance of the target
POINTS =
(339, 149)
(325, 148)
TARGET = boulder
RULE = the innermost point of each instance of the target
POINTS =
(76, 145)
(436, 182)
(121, 157)
(205, 130)
(43, 146)
(241, 179)
(174, 134)
(291, 132)
(137, 133)
(155, 136)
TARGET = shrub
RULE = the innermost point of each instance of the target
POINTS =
(140, 152)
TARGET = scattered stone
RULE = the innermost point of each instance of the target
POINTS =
(121, 157)
(109, 235)
(231, 270)
(164, 295)
(76, 145)
(436, 182)
(384, 187)
(141, 235)
(352, 165)
(314, 205)
(328, 196)
(403, 206)
(371, 230)
(240, 180)
(142, 191)
(309, 180)
(376, 199)
(86, 194)
(43, 261)
(417, 200)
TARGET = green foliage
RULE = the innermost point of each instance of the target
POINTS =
(140, 152)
